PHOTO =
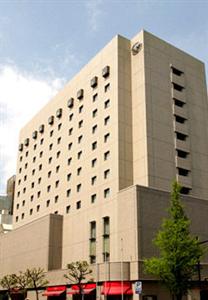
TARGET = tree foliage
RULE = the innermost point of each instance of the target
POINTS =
(31, 278)
(36, 279)
(77, 273)
(179, 251)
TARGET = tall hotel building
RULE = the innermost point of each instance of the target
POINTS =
(95, 166)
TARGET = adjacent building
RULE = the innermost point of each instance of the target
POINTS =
(95, 166)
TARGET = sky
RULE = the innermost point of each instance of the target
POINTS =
(44, 43)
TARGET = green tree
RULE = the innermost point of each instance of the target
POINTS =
(179, 251)
(77, 272)
(9, 282)
(36, 279)
(22, 283)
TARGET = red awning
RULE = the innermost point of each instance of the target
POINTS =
(116, 288)
(87, 288)
(55, 290)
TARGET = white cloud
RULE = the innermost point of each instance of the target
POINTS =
(21, 96)
(94, 12)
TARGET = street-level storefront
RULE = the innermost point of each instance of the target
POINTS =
(56, 292)
(88, 291)
(113, 290)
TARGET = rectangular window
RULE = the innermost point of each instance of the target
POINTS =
(79, 154)
(95, 97)
(49, 174)
(68, 192)
(182, 154)
(70, 131)
(79, 171)
(94, 162)
(68, 177)
(68, 209)
(94, 128)
(107, 87)
(180, 119)
(183, 172)
(57, 183)
(69, 146)
(106, 239)
(58, 154)
(47, 203)
(71, 117)
(107, 120)
(94, 145)
(69, 161)
(181, 136)
(107, 103)
(94, 113)
(79, 187)
(176, 71)
(106, 155)
(92, 242)
(78, 204)
(81, 109)
(50, 146)
(80, 139)
(93, 198)
(106, 193)
(93, 180)
(106, 137)
(59, 140)
(56, 198)
(106, 173)
(178, 87)
(80, 124)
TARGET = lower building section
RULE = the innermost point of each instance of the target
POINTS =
(114, 238)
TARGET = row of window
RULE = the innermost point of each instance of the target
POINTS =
(105, 237)
(106, 193)
(80, 95)
(179, 119)
(79, 139)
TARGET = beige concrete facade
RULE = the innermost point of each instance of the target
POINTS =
(103, 153)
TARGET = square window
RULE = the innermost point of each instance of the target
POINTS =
(93, 198)
(106, 173)
(57, 183)
(94, 162)
(79, 154)
(79, 187)
(80, 139)
(70, 131)
(107, 103)
(79, 171)
(107, 87)
(106, 155)
(94, 128)
(95, 97)
(69, 161)
(80, 124)
(78, 204)
(106, 193)
(107, 120)
(93, 180)
(68, 209)
(94, 113)
(68, 177)
(106, 137)
(69, 146)
(71, 117)
(81, 109)
(94, 145)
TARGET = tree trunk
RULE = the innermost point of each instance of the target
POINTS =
(37, 296)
